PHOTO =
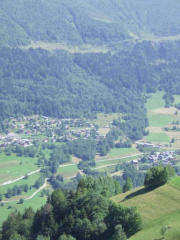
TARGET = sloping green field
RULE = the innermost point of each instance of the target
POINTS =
(155, 101)
(158, 208)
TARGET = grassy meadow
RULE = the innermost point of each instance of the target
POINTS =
(104, 120)
(68, 171)
(30, 181)
(157, 137)
(155, 101)
(35, 203)
(120, 152)
(105, 162)
(160, 117)
(158, 208)
(116, 153)
(12, 167)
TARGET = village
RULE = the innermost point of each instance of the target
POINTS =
(23, 131)
(13, 139)
(156, 158)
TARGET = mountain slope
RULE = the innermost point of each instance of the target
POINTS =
(11, 34)
(56, 83)
(78, 21)
(158, 208)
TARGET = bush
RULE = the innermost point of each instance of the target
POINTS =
(156, 176)
(21, 201)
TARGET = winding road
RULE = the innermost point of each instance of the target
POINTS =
(36, 192)
(20, 178)
(66, 178)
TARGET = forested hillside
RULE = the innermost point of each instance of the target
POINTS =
(78, 21)
(73, 85)
(39, 82)
(59, 84)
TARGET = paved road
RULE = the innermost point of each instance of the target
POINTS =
(36, 192)
(119, 158)
(107, 165)
(71, 177)
(31, 173)
(66, 165)
(30, 197)
(20, 178)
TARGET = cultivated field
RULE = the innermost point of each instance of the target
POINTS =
(161, 118)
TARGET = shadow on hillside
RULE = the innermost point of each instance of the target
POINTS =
(162, 238)
(139, 192)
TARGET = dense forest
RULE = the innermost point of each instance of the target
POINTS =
(86, 213)
(65, 85)
(39, 82)
(79, 21)
(61, 84)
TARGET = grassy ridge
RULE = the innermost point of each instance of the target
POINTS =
(175, 182)
(158, 208)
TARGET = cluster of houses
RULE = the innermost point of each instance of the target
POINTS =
(164, 158)
(51, 129)
(13, 139)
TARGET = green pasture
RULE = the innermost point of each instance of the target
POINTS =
(12, 167)
(103, 120)
(29, 181)
(155, 101)
(105, 162)
(118, 152)
(152, 230)
(158, 208)
(157, 137)
(108, 169)
(35, 203)
(68, 171)
(175, 182)
(159, 120)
